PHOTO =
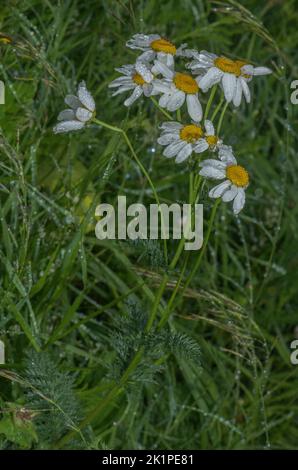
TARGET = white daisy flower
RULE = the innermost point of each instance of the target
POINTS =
(136, 77)
(232, 74)
(155, 46)
(236, 178)
(209, 140)
(181, 140)
(81, 111)
(177, 87)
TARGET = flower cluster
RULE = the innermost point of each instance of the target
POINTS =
(155, 73)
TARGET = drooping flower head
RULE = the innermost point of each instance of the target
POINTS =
(232, 74)
(181, 140)
(236, 178)
(137, 77)
(155, 46)
(176, 87)
(80, 112)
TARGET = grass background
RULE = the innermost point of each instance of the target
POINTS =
(72, 307)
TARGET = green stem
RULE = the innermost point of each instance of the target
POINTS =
(217, 109)
(210, 100)
(168, 310)
(191, 184)
(193, 199)
(193, 189)
(194, 269)
(178, 253)
(167, 115)
(174, 261)
(221, 118)
(157, 302)
(163, 284)
(203, 249)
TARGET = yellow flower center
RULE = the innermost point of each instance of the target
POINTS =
(237, 175)
(138, 79)
(191, 133)
(211, 140)
(186, 83)
(162, 45)
(229, 66)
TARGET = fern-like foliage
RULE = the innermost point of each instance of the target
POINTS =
(129, 336)
(51, 395)
(150, 252)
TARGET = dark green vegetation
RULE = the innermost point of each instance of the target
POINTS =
(74, 309)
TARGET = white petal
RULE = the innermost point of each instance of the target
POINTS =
(245, 89)
(212, 77)
(201, 146)
(261, 71)
(218, 145)
(202, 60)
(171, 126)
(82, 114)
(229, 86)
(194, 107)
(184, 153)
(161, 86)
(72, 101)
(247, 70)
(238, 93)
(166, 59)
(174, 148)
(145, 73)
(225, 154)
(181, 52)
(85, 97)
(68, 126)
(153, 37)
(147, 89)
(120, 81)
(126, 69)
(208, 57)
(215, 163)
(219, 190)
(239, 201)
(159, 67)
(211, 172)
(189, 53)
(140, 41)
(154, 91)
(209, 127)
(176, 100)
(122, 89)
(163, 100)
(230, 194)
(167, 139)
(134, 96)
(147, 56)
(66, 115)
